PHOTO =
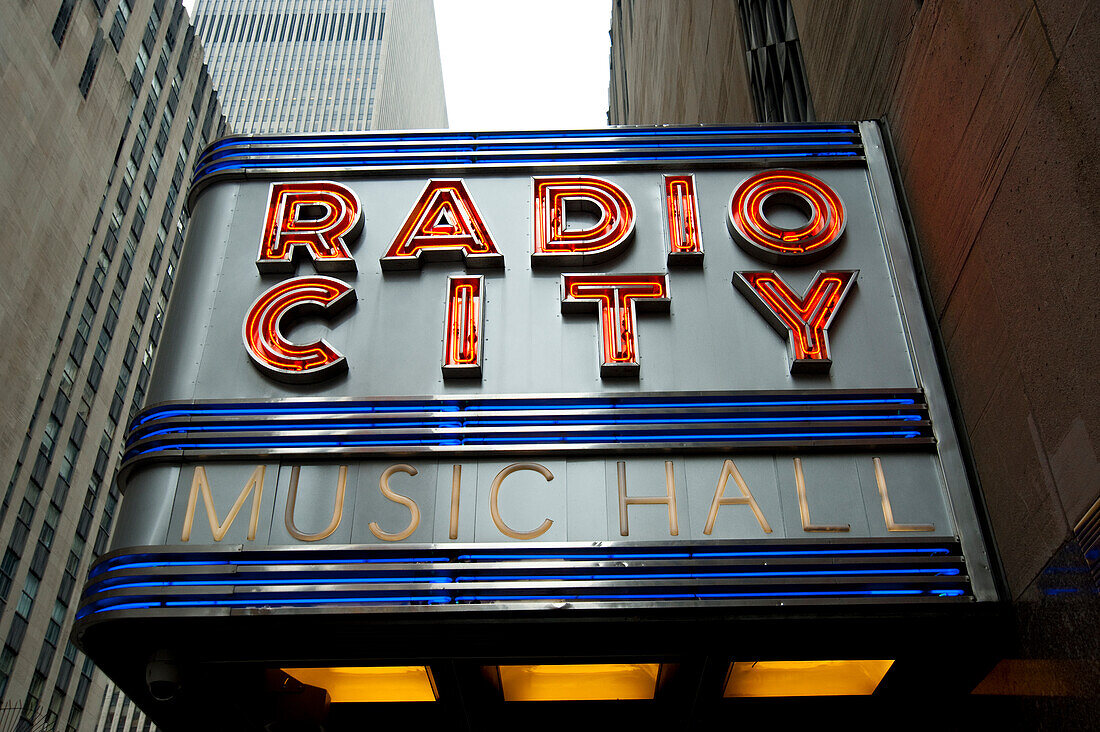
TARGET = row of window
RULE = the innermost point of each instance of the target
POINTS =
(115, 702)
(347, 106)
(294, 27)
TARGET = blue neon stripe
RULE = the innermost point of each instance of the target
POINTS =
(691, 595)
(107, 567)
(329, 580)
(120, 606)
(110, 566)
(492, 405)
(106, 584)
(610, 135)
(793, 402)
(437, 600)
(491, 422)
(473, 148)
(707, 575)
(308, 601)
(380, 156)
(478, 422)
(664, 437)
(371, 560)
(608, 132)
(264, 602)
(813, 552)
(679, 403)
(767, 436)
(518, 158)
(615, 149)
(531, 440)
(695, 555)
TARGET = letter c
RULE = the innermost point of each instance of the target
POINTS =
(494, 509)
(269, 349)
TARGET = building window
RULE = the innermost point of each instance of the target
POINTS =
(118, 27)
(774, 60)
(61, 22)
(90, 64)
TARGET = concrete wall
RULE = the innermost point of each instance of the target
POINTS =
(410, 89)
(679, 63)
(993, 111)
(55, 153)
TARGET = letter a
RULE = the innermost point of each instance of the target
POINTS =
(444, 224)
(729, 469)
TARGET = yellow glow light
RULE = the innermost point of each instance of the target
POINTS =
(370, 683)
(805, 678)
(582, 681)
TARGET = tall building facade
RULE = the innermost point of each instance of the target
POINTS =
(991, 111)
(308, 66)
(106, 105)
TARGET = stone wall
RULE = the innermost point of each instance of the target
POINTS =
(681, 63)
(55, 153)
(992, 108)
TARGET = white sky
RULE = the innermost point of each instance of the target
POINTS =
(524, 64)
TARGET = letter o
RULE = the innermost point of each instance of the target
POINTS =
(774, 244)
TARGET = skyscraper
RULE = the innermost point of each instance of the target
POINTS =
(990, 110)
(308, 66)
(106, 105)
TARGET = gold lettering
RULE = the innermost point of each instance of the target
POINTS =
(888, 510)
(804, 506)
(414, 510)
(337, 509)
(456, 488)
(669, 500)
(494, 509)
(201, 483)
(745, 499)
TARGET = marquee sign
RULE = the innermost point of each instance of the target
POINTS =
(467, 372)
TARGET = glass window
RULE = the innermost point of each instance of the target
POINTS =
(61, 22)
(90, 64)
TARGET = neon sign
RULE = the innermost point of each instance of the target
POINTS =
(445, 224)
(804, 320)
(557, 242)
(685, 240)
(463, 327)
(616, 298)
(269, 349)
(750, 227)
(318, 216)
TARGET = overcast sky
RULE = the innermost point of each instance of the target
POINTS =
(522, 64)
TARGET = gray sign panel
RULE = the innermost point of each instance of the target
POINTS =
(581, 417)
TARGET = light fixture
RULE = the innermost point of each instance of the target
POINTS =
(370, 683)
(804, 678)
(579, 682)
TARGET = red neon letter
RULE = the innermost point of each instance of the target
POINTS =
(462, 331)
(685, 241)
(803, 320)
(616, 298)
(443, 224)
(749, 225)
(319, 216)
(556, 243)
(272, 353)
